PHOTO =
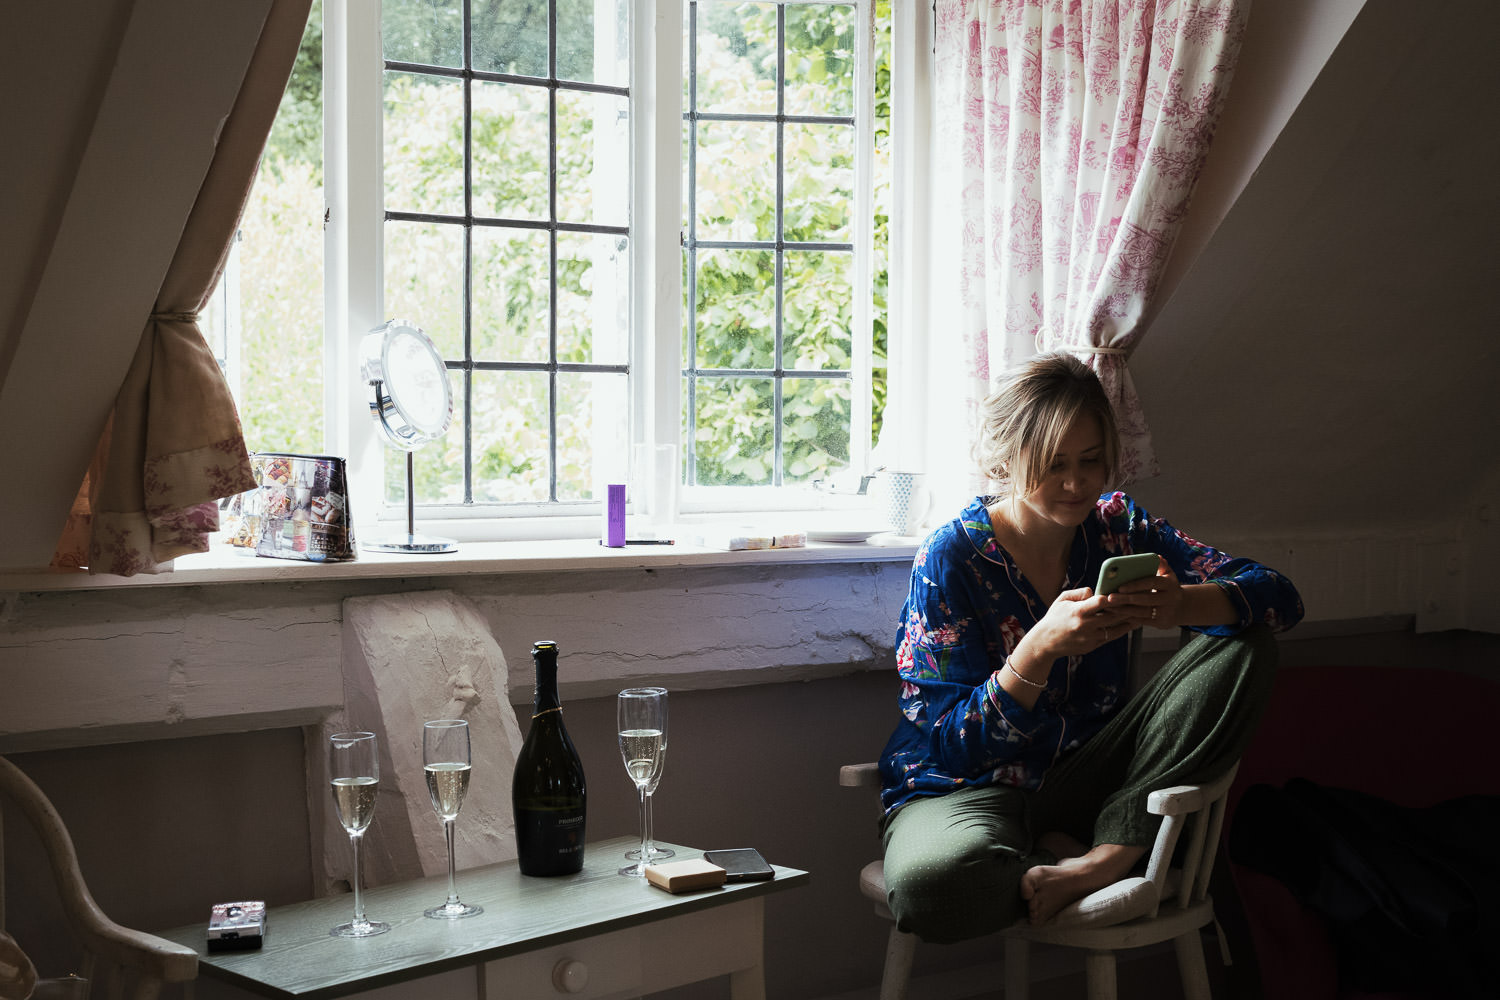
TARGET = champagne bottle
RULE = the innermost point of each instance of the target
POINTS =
(548, 793)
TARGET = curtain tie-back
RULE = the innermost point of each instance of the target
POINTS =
(1050, 341)
(175, 317)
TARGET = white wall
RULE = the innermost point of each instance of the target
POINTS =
(1333, 339)
(106, 666)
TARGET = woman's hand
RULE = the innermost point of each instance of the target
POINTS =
(1077, 623)
(1156, 602)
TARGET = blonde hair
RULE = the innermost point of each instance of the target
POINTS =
(1022, 423)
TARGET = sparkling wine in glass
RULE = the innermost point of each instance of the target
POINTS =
(446, 763)
(354, 766)
(654, 851)
(642, 717)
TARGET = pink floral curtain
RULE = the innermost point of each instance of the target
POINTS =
(1077, 130)
(172, 446)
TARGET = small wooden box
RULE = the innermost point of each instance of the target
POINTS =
(685, 876)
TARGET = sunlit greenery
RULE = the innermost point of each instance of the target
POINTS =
(511, 307)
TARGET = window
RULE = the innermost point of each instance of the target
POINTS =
(776, 235)
(507, 235)
(265, 319)
(593, 296)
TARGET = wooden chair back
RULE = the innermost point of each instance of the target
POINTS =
(119, 963)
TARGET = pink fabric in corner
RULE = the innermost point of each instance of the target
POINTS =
(1335, 725)
(1077, 134)
(150, 494)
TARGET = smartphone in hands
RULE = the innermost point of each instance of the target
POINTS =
(1120, 570)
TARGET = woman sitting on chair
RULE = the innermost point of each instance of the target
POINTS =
(1016, 781)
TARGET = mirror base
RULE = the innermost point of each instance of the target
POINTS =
(412, 544)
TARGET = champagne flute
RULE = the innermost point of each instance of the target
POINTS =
(642, 717)
(446, 763)
(354, 765)
(655, 852)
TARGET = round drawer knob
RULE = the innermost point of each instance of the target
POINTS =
(570, 976)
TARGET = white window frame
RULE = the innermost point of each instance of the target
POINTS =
(353, 75)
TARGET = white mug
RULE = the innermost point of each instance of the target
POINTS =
(907, 500)
(654, 487)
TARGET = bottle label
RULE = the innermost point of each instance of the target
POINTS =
(549, 840)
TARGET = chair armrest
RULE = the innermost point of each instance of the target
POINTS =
(1178, 800)
(146, 953)
(860, 775)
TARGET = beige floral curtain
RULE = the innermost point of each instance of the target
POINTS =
(172, 446)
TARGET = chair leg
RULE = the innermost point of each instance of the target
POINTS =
(1017, 969)
(1099, 971)
(1190, 963)
(900, 950)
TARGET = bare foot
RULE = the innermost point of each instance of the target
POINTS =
(1048, 888)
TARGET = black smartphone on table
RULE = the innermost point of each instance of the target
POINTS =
(740, 864)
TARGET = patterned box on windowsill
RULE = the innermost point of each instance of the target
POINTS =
(300, 510)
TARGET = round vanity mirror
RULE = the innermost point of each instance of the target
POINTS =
(412, 404)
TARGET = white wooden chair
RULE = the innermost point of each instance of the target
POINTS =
(1168, 903)
(117, 961)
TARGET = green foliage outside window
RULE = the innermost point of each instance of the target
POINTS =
(281, 296)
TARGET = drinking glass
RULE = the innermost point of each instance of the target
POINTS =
(446, 763)
(654, 851)
(354, 766)
(642, 717)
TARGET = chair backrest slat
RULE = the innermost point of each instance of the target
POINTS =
(1215, 827)
(87, 967)
(1196, 840)
(1162, 850)
(108, 985)
(146, 989)
(1198, 866)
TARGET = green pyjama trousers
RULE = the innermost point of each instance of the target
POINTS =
(953, 863)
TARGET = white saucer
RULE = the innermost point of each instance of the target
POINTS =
(842, 534)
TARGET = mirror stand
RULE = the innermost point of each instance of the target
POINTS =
(411, 542)
(412, 404)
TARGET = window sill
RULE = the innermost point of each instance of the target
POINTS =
(223, 564)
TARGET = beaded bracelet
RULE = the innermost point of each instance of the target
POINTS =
(1025, 680)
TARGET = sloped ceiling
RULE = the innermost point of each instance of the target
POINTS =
(106, 151)
(1329, 362)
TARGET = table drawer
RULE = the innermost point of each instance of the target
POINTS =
(724, 941)
(592, 969)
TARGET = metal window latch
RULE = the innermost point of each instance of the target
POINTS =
(823, 486)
